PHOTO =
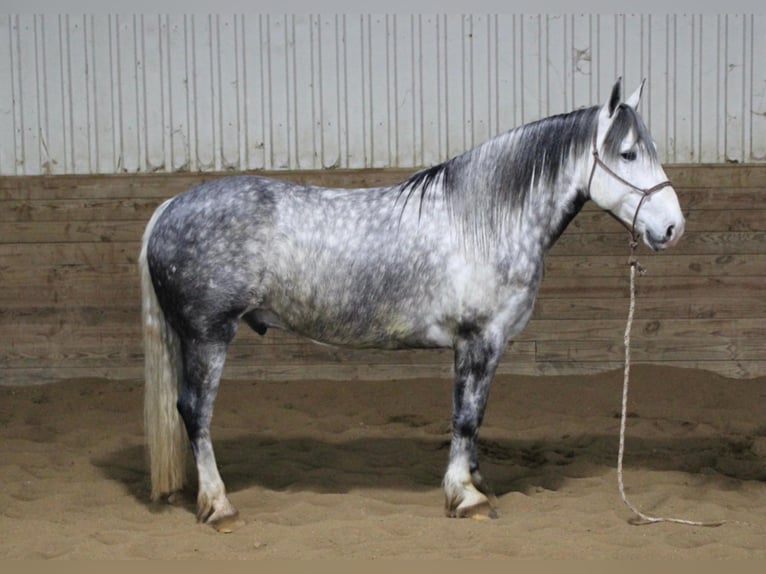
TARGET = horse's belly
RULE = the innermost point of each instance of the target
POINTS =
(359, 327)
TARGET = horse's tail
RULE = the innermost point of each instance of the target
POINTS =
(166, 439)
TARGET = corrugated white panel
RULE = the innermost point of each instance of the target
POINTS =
(142, 93)
(756, 142)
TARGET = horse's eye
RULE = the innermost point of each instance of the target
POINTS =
(628, 155)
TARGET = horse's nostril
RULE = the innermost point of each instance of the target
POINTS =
(669, 232)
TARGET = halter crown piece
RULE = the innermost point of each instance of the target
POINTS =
(645, 193)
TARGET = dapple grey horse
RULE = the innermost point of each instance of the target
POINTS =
(452, 257)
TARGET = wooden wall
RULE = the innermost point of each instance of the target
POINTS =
(70, 304)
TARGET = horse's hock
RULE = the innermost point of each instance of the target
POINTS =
(71, 305)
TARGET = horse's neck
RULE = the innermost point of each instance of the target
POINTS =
(568, 199)
(548, 208)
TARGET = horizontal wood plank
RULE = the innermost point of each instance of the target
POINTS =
(114, 334)
(63, 287)
(575, 241)
(683, 176)
(650, 351)
(125, 317)
(348, 373)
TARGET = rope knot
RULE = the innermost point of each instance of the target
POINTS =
(633, 262)
(633, 259)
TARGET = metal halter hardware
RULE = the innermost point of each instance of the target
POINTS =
(597, 161)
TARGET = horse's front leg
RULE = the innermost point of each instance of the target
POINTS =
(476, 359)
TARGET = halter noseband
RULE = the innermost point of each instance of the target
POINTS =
(645, 193)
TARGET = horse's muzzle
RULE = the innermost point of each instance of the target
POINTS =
(672, 236)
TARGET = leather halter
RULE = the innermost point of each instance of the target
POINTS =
(645, 193)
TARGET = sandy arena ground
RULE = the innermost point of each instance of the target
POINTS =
(353, 469)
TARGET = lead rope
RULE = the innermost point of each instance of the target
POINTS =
(642, 518)
(634, 265)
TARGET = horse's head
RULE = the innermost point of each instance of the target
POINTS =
(626, 177)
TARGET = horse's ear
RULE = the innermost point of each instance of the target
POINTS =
(606, 115)
(614, 98)
(635, 98)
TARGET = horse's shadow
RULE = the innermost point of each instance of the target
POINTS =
(309, 464)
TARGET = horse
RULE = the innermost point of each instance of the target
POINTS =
(452, 257)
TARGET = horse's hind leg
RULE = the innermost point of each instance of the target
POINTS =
(203, 365)
(476, 359)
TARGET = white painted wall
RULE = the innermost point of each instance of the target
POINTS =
(109, 94)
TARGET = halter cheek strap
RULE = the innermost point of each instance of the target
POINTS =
(645, 193)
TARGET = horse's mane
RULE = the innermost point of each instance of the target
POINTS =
(487, 184)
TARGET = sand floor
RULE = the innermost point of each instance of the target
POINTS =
(353, 469)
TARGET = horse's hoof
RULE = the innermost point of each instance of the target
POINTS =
(477, 506)
(481, 511)
(221, 514)
(227, 524)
